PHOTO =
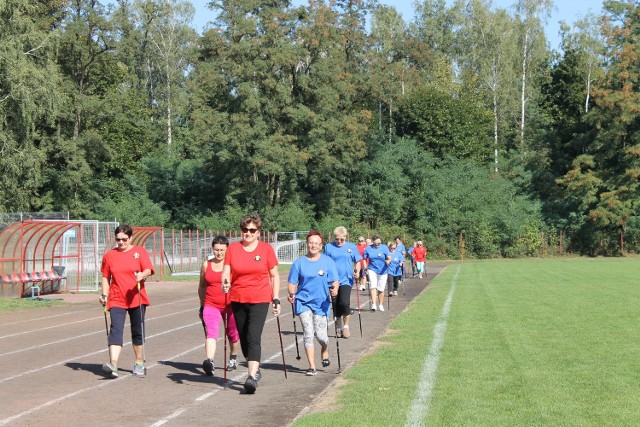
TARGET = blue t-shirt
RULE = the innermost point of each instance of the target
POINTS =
(377, 258)
(395, 269)
(401, 249)
(344, 256)
(313, 279)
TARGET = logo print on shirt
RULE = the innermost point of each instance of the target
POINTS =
(349, 251)
(136, 255)
(257, 258)
(379, 255)
(320, 272)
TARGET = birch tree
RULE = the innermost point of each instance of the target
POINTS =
(487, 46)
(532, 14)
(586, 38)
(172, 40)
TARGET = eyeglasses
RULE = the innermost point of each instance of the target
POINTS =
(360, 241)
(122, 239)
(339, 239)
(248, 230)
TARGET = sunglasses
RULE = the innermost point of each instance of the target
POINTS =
(339, 239)
(360, 241)
(122, 239)
(248, 230)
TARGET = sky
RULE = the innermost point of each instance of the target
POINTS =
(565, 10)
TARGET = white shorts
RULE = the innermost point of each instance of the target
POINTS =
(377, 281)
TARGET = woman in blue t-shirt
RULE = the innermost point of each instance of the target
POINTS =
(395, 269)
(313, 281)
(379, 258)
(346, 256)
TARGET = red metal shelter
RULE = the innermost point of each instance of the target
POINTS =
(152, 239)
(31, 254)
(49, 256)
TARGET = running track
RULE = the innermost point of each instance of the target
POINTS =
(50, 365)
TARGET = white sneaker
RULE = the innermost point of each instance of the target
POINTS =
(380, 307)
(362, 288)
(373, 307)
(395, 293)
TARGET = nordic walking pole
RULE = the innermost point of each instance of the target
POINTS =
(144, 357)
(295, 332)
(359, 315)
(404, 288)
(284, 365)
(226, 322)
(106, 324)
(389, 291)
(335, 325)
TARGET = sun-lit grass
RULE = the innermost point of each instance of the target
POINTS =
(528, 342)
(16, 304)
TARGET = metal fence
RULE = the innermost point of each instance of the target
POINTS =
(186, 249)
(289, 245)
(83, 272)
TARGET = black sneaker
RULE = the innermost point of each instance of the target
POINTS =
(258, 375)
(311, 372)
(207, 367)
(326, 362)
(250, 385)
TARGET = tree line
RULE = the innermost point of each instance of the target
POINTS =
(331, 113)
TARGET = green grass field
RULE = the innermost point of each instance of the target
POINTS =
(524, 342)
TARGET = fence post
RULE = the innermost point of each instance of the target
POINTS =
(561, 242)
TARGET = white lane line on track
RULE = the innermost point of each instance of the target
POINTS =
(93, 353)
(84, 390)
(82, 321)
(419, 409)
(89, 334)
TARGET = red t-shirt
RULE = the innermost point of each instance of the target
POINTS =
(250, 278)
(119, 267)
(361, 247)
(214, 296)
(420, 254)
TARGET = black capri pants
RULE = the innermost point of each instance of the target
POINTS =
(250, 320)
(342, 306)
(118, 316)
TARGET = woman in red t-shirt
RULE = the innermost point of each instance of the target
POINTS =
(214, 305)
(420, 256)
(123, 268)
(251, 275)
(362, 245)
